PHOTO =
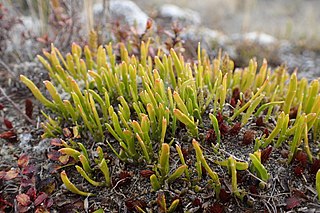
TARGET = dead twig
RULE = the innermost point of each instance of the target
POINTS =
(7, 68)
(16, 106)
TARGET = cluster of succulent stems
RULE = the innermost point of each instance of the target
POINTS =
(144, 102)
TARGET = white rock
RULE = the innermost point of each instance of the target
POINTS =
(180, 14)
(126, 10)
(206, 34)
(261, 38)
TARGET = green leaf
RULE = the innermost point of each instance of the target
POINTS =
(72, 187)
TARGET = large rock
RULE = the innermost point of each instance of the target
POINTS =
(182, 15)
(126, 11)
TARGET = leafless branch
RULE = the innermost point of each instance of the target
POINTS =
(16, 106)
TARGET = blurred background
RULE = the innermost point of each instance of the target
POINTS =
(282, 31)
(284, 19)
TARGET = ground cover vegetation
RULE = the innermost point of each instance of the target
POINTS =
(146, 110)
(137, 126)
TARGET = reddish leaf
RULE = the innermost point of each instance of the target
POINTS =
(301, 157)
(32, 193)
(146, 173)
(25, 182)
(54, 155)
(224, 128)
(216, 208)
(48, 202)
(29, 108)
(224, 195)
(259, 121)
(299, 194)
(265, 154)
(1, 107)
(8, 135)
(23, 160)
(11, 174)
(219, 118)
(22, 209)
(2, 174)
(185, 152)
(44, 39)
(7, 123)
(204, 171)
(23, 199)
(149, 24)
(292, 202)
(132, 203)
(235, 129)
(124, 178)
(233, 102)
(29, 170)
(4, 203)
(210, 136)
(248, 137)
(293, 112)
(298, 170)
(315, 166)
(253, 189)
(124, 174)
(284, 153)
(196, 202)
(266, 132)
(56, 142)
(236, 94)
(41, 197)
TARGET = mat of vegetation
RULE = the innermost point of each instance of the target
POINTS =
(136, 128)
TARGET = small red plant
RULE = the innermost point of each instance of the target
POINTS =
(315, 166)
(7, 123)
(224, 129)
(28, 199)
(29, 108)
(265, 154)
(293, 113)
(132, 204)
(248, 137)
(210, 136)
(10, 135)
(196, 202)
(224, 195)
(298, 170)
(216, 208)
(124, 178)
(236, 94)
(146, 173)
(260, 122)
(292, 202)
(31, 199)
(235, 129)
(302, 158)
